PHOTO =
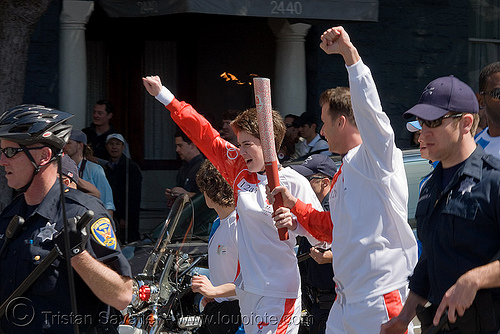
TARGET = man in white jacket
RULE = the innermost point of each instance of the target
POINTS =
(374, 250)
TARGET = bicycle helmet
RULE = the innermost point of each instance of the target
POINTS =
(30, 124)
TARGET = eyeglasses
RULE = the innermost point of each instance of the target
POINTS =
(310, 178)
(288, 125)
(10, 152)
(495, 93)
(437, 122)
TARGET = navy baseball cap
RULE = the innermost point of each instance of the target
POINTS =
(316, 163)
(79, 136)
(443, 95)
(68, 168)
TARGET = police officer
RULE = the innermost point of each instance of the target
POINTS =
(458, 218)
(317, 272)
(32, 137)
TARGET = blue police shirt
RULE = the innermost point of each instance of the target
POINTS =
(46, 306)
(459, 226)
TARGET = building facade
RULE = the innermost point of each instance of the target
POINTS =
(209, 58)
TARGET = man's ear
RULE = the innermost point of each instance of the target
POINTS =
(110, 115)
(326, 182)
(66, 181)
(341, 121)
(45, 155)
(466, 123)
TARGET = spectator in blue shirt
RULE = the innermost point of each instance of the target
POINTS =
(80, 152)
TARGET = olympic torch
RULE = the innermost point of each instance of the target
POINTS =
(262, 90)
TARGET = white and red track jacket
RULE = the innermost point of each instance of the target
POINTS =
(268, 266)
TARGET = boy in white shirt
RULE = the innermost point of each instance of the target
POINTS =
(222, 312)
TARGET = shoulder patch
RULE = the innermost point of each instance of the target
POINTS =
(103, 233)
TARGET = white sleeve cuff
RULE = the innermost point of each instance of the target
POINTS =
(165, 96)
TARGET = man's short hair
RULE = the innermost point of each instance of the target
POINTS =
(308, 118)
(109, 106)
(180, 133)
(211, 182)
(339, 103)
(475, 123)
(486, 72)
(247, 121)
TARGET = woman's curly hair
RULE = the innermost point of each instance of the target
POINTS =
(214, 185)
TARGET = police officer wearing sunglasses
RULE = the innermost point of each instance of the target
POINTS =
(31, 139)
(458, 219)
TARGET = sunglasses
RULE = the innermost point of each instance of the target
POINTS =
(10, 152)
(309, 178)
(437, 122)
(495, 93)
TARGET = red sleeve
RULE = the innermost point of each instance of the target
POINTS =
(318, 223)
(224, 155)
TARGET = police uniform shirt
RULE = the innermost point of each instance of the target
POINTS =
(459, 225)
(46, 306)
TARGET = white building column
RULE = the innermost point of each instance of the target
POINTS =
(73, 60)
(290, 86)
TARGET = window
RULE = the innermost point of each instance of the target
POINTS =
(484, 37)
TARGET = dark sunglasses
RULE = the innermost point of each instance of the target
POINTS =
(495, 93)
(10, 152)
(310, 178)
(437, 122)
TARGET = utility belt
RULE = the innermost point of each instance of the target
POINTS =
(324, 298)
(482, 316)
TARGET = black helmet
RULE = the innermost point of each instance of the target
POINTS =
(30, 124)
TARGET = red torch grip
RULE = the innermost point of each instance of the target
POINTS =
(274, 181)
